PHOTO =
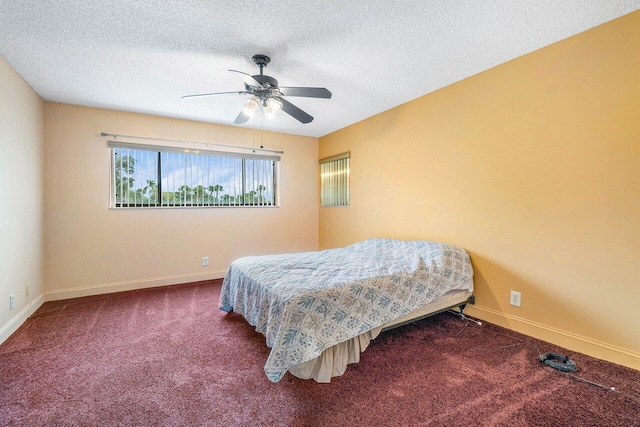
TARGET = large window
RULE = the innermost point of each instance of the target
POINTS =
(334, 180)
(151, 176)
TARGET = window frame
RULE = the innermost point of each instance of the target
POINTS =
(343, 183)
(162, 149)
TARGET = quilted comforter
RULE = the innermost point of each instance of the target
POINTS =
(307, 302)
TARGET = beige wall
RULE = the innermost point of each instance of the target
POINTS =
(92, 249)
(21, 208)
(533, 167)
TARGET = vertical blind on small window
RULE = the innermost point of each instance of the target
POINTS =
(152, 176)
(334, 180)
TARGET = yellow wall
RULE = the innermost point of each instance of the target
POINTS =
(534, 168)
(21, 208)
(91, 249)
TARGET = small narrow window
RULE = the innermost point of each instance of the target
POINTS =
(166, 177)
(334, 180)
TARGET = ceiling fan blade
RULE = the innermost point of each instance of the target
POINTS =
(247, 78)
(215, 93)
(295, 112)
(242, 118)
(309, 92)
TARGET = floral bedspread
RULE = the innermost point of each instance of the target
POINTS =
(307, 302)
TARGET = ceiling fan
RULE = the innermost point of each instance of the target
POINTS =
(266, 93)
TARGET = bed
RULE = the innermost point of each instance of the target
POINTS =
(319, 310)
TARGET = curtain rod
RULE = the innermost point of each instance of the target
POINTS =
(103, 134)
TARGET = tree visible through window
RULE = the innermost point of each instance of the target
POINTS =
(164, 177)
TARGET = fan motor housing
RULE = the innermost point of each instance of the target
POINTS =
(266, 80)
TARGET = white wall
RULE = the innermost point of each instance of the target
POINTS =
(21, 199)
(91, 249)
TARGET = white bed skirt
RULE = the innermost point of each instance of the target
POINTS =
(334, 360)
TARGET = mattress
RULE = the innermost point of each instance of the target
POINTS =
(452, 298)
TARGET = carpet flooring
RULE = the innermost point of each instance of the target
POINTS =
(168, 356)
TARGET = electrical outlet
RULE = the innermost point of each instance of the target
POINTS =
(205, 261)
(12, 301)
(27, 290)
(516, 298)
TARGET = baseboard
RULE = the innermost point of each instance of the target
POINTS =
(20, 318)
(569, 340)
(107, 288)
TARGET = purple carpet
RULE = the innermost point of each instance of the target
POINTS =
(168, 356)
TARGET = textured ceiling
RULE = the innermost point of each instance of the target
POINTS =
(142, 55)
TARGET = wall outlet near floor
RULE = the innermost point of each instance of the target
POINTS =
(205, 261)
(12, 301)
(27, 290)
(516, 298)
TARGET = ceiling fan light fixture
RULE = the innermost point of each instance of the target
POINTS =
(251, 105)
(274, 104)
(271, 107)
(268, 114)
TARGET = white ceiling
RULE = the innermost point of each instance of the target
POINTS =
(143, 55)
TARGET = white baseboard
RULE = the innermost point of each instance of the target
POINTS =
(569, 340)
(20, 318)
(107, 288)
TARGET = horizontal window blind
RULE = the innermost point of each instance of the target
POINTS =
(169, 177)
(334, 180)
